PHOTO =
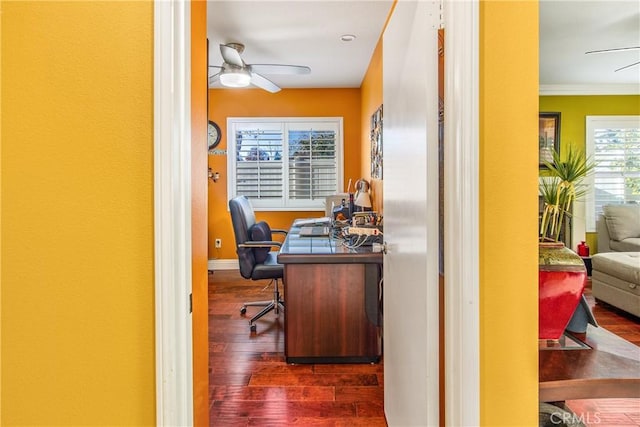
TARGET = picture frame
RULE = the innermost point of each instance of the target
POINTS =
(376, 144)
(548, 137)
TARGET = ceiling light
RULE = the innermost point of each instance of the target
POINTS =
(235, 78)
(347, 37)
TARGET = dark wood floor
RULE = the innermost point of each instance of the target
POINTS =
(251, 385)
(610, 412)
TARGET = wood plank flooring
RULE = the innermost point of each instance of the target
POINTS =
(610, 412)
(251, 385)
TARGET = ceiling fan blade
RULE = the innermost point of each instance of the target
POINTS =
(264, 83)
(214, 78)
(231, 55)
(618, 49)
(627, 66)
(280, 69)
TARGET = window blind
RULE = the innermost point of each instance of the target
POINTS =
(614, 145)
(285, 163)
(259, 163)
(312, 164)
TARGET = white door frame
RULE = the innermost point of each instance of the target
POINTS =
(172, 212)
(461, 165)
(172, 207)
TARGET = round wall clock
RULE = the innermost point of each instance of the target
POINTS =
(213, 135)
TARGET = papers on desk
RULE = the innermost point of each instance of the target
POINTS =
(315, 231)
(325, 220)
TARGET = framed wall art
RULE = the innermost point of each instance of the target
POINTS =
(376, 144)
(548, 137)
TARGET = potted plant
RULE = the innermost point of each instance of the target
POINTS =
(560, 189)
(562, 274)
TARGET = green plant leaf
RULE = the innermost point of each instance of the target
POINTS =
(560, 188)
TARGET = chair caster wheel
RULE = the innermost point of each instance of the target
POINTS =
(243, 309)
(253, 328)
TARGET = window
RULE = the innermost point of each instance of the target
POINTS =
(613, 142)
(285, 163)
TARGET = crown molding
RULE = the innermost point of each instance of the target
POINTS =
(586, 89)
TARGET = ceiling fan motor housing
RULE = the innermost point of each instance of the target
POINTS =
(237, 46)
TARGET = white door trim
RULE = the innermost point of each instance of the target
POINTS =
(461, 158)
(172, 211)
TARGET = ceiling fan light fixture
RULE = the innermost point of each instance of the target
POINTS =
(235, 78)
(236, 73)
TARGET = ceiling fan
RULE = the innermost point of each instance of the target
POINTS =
(234, 72)
(618, 49)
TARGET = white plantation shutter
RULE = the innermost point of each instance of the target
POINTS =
(258, 155)
(285, 164)
(614, 144)
(312, 161)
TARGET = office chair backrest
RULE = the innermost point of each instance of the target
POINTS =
(243, 218)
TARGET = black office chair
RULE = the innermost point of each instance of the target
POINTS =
(256, 259)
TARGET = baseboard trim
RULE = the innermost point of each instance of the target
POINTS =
(222, 264)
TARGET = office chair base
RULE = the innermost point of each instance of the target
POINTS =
(272, 306)
(276, 304)
(243, 309)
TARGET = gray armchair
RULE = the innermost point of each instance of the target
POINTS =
(256, 259)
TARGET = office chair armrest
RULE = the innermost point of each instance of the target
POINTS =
(280, 231)
(260, 244)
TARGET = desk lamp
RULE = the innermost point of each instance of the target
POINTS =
(362, 200)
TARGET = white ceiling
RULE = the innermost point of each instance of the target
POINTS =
(300, 33)
(307, 32)
(568, 29)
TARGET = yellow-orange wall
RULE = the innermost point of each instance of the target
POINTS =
(77, 214)
(225, 103)
(575, 109)
(371, 89)
(199, 250)
(508, 213)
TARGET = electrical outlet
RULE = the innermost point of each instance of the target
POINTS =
(218, 243)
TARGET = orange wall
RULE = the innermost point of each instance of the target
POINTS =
(371, 99)
(199, 212)
(225, 103)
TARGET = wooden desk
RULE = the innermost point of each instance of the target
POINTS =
(332, 300)
(610, 367)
